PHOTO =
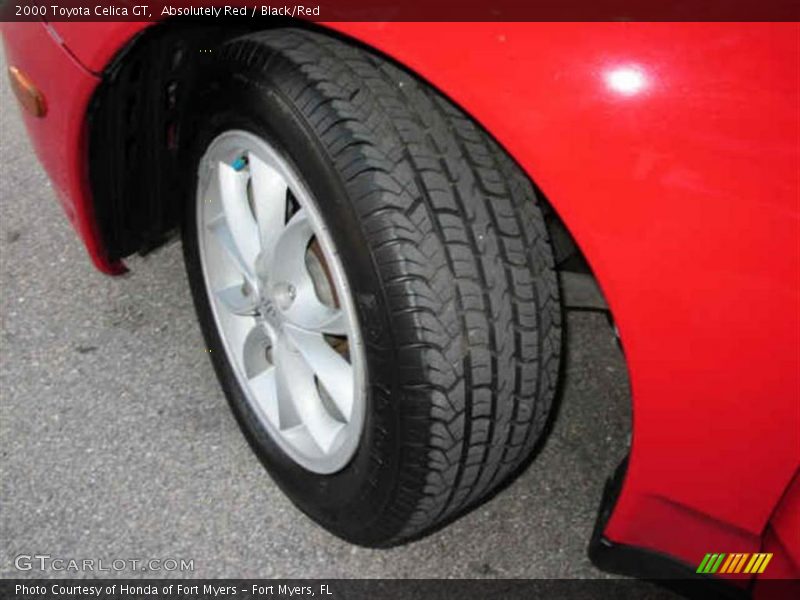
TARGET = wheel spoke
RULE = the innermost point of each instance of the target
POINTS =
(333, 371)
(254, 351)
(265, 390)
(241, 223)
(333, 323)
(307, 312)
(219, 227)
(289, 266)
(295, 384)
(290, 246)
(236, 301)
(269, 194)
(241, 333)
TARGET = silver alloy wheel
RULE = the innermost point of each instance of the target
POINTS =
(281, 301)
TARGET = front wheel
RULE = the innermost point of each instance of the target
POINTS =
(374, 281)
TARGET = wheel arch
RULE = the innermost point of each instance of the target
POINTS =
(133, 120)
(138, 209)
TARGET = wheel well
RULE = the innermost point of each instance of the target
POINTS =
(135, 161)
(134, 137)
(134, 134)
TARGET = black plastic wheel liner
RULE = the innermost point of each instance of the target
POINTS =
(134, 124)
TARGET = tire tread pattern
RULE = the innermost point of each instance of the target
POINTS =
(465, 261)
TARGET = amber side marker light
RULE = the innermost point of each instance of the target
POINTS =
(28, 94)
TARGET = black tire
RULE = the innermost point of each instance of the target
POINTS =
(449, 261)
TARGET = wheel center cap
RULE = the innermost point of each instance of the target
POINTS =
(271, 303)
(269, 313)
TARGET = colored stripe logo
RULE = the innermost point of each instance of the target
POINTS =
(739, 562)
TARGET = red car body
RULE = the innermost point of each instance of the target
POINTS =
(672, 154)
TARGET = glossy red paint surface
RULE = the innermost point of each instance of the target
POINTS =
(59, 138)
(672, 152)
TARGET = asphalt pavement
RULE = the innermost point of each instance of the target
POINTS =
(116, 441)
